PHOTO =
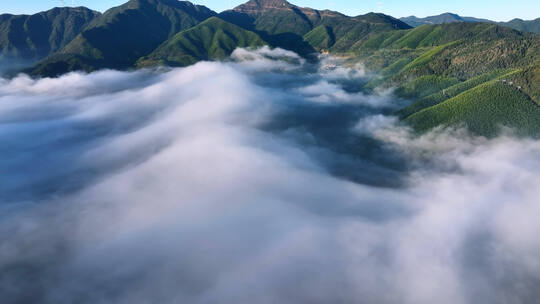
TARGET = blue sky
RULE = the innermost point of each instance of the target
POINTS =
(499, 10)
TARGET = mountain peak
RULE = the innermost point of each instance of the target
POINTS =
(269, 3)
(261, 6)
(450, 14)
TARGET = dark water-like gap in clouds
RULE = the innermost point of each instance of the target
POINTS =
(262, 180)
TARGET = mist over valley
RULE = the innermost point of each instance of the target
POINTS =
(266, 154)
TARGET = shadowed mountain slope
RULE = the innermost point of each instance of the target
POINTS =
(306, 30)
(33, 37)
(212, 39)
(116, 39)
(123, 34)
(532, 26)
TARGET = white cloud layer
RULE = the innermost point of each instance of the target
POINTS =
(217, 183)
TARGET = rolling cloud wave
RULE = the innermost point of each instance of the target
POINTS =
(258, 181)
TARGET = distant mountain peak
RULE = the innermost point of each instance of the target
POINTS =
(440, 19)
(262, 6)
(269, 3)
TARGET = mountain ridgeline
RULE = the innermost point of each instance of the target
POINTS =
(478, 75)
(440, 19)
(532, 26)
(212, 39)
(33, 37)
(171, 35)
(122, 35)
(457, 71)
(305, 30)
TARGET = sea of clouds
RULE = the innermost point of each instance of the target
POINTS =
(262, 180)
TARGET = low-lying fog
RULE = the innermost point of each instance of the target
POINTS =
(263, 180)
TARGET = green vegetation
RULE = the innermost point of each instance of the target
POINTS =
(280, 21)
(413, 37)
(119, 37)
(114, 39)
(444, 68)
(212, 39)
(483, 110)
(425, 85)
(33, 37)
(353, 34)
(529, 81)
(448, 93)
(532, 26)
(452, 71)
(397, 66)
(322, 36)
(426, 57)
(306, 30)
(461, 50)
(439, 19)
(64, 62)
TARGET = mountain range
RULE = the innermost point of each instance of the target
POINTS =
(175, 36)
(37, 36)
(517, 24)
(439, 19)
(456, 70)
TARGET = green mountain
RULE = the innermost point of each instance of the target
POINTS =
(114, 39)
(346, 33)
(119, 37)
(33, 37)
(444, 92)
(461, 74)
(486, 108)
(275, 17)
(440, 19)
(532, 26)
(307, 30)
(212, 39)
(460, 50)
